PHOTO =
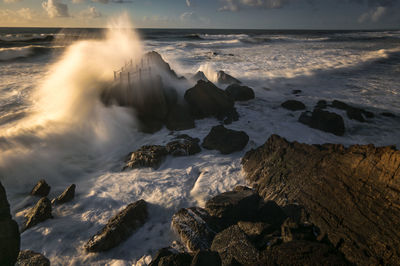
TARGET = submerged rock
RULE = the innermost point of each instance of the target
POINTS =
(321, 104)
(225, 140)
(324, 120)
(351, 194)
(147, 156)
(30, 258)
(352, 112)
(9, 233)
(119, 228)
(225, 78)
(239, 93)
(293, 105)
(39, 213)
(41, 189)
(66, 196)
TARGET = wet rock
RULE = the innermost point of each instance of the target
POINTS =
(164, 252)
(179, 118)
(269, 212)
(321, 104)
(206, 258)
(191, 225)
(155, 59)
(296, 91)
(351, 194)
(324, 121)
(39, 213)
(179, 259)
(229, 117)
(119, 228)
(254, 229)
(41, 189)
(206, 100)
(199, 76)
(66, 196)
(232, 243)
(293, 105)
(30, 258)
(239, 93)
(225, 78)
(183, 147)
(388, 114)
(9, 233)
(225, 140)
(352, 112)
(147, 156)
(292, 230)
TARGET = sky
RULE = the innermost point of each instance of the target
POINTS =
(239, 14)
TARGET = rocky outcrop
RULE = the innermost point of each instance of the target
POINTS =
(324, 121)
(41, 189)
(293, 105)
(206, 258)
(147, 156)
(66, 196)
(9, 233)
(353, 112)
(30, 258)
(199, 76)
(183, 146)
(239, 93)
(119, 228)
(225, 140)
(351, 194)
(179, 118)
(39, 213)
(224, 78)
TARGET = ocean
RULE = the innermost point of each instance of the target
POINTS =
(54, 126)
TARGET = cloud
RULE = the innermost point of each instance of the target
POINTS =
(188, 2)
(20, 16)
(193, 18)
(55, 8)
(91, 12)
(236, 5)
(11, 1)
(374, 15)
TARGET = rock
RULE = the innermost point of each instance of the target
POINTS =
(183, 147)
(206, 100)
(296, 91)
(224, 78)
(119, 228)
(269, 212)
(155, 59)
(388, 114)
(321, 104)
(293, 105)
(351, 194)
(206, 258)
(66, 196)
(295, 231)
(232, 243)
(352, 112)
(39, 213)
(302, 253)
(225, 140)
(252, 229)
(164, 252)
(324, 120)
(30, 258)
(179, 118)
(147, 156)
(231, 207)
(41, 189)
(179, 259)
(191, 225)
(199, 76)
(9, 233)
(239, 93)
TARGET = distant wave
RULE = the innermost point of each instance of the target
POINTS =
(27, 39)
(8, 54)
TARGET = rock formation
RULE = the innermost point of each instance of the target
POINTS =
(293, 105)
(66, 196)
(225, 78)
(30, 258)
(39, 213)
(239, 93)
(225, 140)
(41, 189)
(323, 120)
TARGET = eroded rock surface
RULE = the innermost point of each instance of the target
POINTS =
(225, 140)
(31, 258)
(183, 146)
(147, 156)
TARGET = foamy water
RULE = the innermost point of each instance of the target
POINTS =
(53, 125)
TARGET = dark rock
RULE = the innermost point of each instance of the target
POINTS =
(206, 100)
(293, 105)
(254, 229)
(39, 213)
(242, 188)
(324, 120)
(206, 258)
(179, 118)
(199, 76)
(269, 212)
(66, 196)
(239, 93)
(179, 259)
(232, 243)
(292, 230)
(352, 112)
(296, 91)
(224, 78)
(302, 253)
(229, 116)
(30, 258)
(9, 233)
(119, 228)
(183, 147)
(351, 194)
(155, 59)
(193, 229)
(388, 114)
(225, 140)
(41, 189)
(147, 156)
(164, 252)
(321, 104)
(187, 137)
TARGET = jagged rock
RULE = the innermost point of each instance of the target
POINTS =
(179, 118)
(9, 233)
(269, 212)
(39, 213)
(324, 120)
(254, 229)
(321, 104)
(225, 78)
(352, 112)
(147, 156)
(199, 76)
(351, 194)
(302, 253)
(225, 140)
(193, 229)
(30, 258)
(41, 189)
(179, 259)
(183, 147)
(164, 252)
(293, 105)
(292, 230)
(206, 258)
(232, 243)
(119, 228)
(66, 196)
(206, 100)
(239, 93)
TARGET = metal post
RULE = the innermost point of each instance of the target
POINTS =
(115, 76)
(129, 80)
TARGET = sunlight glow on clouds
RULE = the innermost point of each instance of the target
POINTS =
(55, 8)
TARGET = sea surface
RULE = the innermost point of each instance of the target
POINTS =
(54, 126)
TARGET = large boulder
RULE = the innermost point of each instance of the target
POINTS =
(351, 194)
(225, 78)
(206, 100)
(324, 120)
(147, 156)
(206, 258)
(31, 258)
(225, 140)
(66, 196)
(41, 189)
(179, 118)
(119, 228)
(183, 146)
(293, 105)
(39, 213)
(9, 233)
(239, 93)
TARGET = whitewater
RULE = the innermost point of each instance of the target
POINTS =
(54, 126)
